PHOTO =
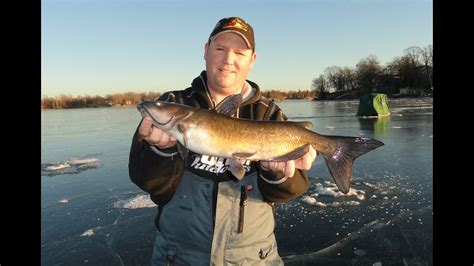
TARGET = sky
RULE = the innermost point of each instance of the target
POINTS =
(100, 47)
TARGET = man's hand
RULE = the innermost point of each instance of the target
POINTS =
(155, 136)
(288, 167)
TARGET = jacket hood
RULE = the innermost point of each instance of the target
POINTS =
(199, 85)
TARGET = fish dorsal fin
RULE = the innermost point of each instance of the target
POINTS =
(305, 124)
(229, 105)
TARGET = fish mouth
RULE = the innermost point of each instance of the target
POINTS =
(144, 112)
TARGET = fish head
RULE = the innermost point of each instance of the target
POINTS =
(164, 114)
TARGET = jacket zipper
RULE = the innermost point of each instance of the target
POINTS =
(215, 190)
(243, 202)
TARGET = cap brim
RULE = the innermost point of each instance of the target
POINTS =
(234, 31)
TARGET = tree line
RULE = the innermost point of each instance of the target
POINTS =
(133, 98)
(292, 95)
(414, 70)
(111, 100)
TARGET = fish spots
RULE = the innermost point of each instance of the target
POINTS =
(337, 154)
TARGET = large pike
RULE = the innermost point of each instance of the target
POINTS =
(211, 133)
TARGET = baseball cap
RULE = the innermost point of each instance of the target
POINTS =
(236, 25)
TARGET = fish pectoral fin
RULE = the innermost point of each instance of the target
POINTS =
(236, 168)
(293, 155)
(182, 130)
(182, 148)
(229, 105)
(243, 155)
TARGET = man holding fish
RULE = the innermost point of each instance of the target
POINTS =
(210, 158)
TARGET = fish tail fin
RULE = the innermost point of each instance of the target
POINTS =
(340, 155)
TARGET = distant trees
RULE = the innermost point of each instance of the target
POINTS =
(412, 70)
(274, 94)
(132, 98)
(306, 94)
(118, 99)
(282, 95)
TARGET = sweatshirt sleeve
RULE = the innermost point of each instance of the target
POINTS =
(156, 171)
(273, 185)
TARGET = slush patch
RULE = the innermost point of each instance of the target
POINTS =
(74, 165)
(137, 202)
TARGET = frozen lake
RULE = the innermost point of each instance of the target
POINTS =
(91, 213)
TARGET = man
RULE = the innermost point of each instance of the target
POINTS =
(205, 214)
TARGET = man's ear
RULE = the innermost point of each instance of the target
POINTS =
(206, 46)
(254, 57)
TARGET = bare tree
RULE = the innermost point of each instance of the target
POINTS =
(348, 77)
(427, 61)
(319, 84)
(368, 69)
(334, 78)
(414, 53)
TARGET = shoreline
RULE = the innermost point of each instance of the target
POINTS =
(276, 100)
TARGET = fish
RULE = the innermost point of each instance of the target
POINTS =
(218, 133)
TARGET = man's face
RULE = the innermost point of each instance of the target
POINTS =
(228, 62)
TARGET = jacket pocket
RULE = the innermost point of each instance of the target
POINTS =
(262, 253)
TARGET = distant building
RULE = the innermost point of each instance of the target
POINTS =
(408, 91)
(417, 92)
